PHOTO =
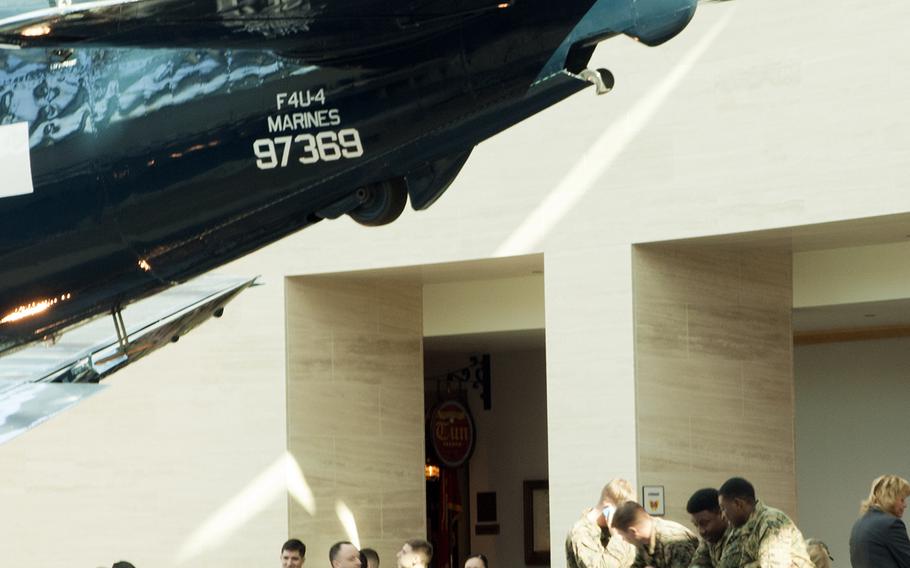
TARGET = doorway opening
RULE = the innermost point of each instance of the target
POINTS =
(475, 493)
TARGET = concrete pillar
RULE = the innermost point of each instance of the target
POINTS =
(714, 370)
(590, 380)
(355, 410)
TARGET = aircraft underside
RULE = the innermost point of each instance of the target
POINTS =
(148, 141)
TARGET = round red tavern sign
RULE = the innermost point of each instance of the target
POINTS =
(452, 431)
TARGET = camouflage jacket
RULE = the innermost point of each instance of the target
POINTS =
(672, 546)
(768, 539)
(588, 546)
(711, 555)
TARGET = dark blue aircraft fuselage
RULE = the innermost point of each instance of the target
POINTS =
(151, 165)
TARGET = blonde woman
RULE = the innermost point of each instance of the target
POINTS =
(879, 537)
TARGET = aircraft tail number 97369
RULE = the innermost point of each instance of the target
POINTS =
(325, 146)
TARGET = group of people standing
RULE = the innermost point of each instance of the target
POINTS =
(735, 530)
(414, 553)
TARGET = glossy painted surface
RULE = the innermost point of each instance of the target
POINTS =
(151, 166)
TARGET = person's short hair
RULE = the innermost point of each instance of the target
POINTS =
(703, 500)
(818, 553)
(122, 564)
(737, 488)
(423, 548)
(887, 492)
(371, 555)
(295, 545)
(627, 515)
(481, 557)
(333, 552)
(617, 491)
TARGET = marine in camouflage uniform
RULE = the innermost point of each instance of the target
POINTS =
(768, 539)
(589, 546)
(711, 554)
(672, 546)
(713, 528)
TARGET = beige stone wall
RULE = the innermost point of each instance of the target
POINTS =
(355, 410)
(714, 374)
(169, 465)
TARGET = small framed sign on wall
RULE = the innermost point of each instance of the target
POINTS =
(652, 499)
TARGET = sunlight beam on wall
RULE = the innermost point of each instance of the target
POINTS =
(283, 477)
(346, 516)
(601, 155)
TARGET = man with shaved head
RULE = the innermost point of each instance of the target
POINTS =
(344, 555)
(415, 553)
(659, 543)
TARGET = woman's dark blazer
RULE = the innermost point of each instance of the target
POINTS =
(879, 540)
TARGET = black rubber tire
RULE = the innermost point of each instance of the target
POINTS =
(384, 203)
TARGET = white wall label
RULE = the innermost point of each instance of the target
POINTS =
(15, 160)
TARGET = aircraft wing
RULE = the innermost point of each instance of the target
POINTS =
(291, 25)
(40, 381)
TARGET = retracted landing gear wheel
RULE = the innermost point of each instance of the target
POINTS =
(381, 203)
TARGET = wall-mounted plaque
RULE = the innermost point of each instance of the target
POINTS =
(652, 499)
